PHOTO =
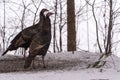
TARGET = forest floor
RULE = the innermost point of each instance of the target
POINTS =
(60, 66)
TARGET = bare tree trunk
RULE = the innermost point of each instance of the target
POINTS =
(54, 32)
(23, 16)
(101, 61)
(108, 46)
(71, 32)
(96, 24)
(22, 26)
(60, 26)
(4, 26)
(60, 40)
(87, 28)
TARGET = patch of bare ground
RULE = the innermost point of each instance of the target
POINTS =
(15, 64)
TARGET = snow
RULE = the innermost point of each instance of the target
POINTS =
(91, 74)
(78, 71)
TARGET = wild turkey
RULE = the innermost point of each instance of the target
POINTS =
(24, 38)
(40, 42)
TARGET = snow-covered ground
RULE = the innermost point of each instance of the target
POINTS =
(68, 66)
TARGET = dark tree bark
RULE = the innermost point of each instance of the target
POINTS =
(4, 27)
(71, 32)
(108, 46)
(60, 26)
(54, 27)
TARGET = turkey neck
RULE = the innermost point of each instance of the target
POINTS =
(41, 22)
(46, 28)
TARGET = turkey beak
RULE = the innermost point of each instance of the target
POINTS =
(49, 13)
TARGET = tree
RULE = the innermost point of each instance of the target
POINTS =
(4, 27)
(54, 28)
(71, 32)
(108, 33)
(110, 27)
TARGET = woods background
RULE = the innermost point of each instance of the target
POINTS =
(90, 25)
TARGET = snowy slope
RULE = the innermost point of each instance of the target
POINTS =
(67, 66)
